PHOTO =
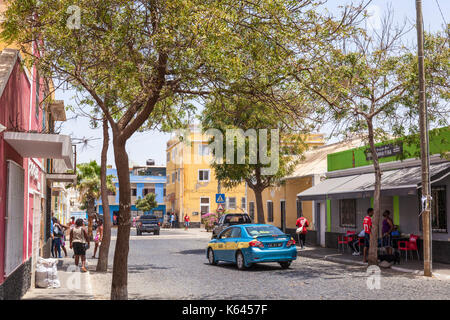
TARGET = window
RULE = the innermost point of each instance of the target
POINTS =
(203, 175)
(232, 203)
(204, 205)
(439, 209)
(174, 176)
(203, 150)
(270, 211)
(157, 213)
(243, 203)
(174, 151)
(263, 231)
(236, 218)
(178, 174)
(225, 234)
(134, 192)
(251, 210)
(347, 213)
(168, 157)
(235, 233)
(164, 192)
(148, 190)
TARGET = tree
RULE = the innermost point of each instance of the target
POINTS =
(241, 115)
(88, 184)
(147, 203)
(102, 264)
(141, 63)
(366, 88)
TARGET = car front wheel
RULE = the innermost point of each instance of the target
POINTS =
(285, 264)
(211, 258)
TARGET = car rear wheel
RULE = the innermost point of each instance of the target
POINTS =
(211, 257)
(285, 264)
(138, 232)
(156, 233)
(240, 261)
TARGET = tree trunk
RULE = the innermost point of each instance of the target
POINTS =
(373, 249)
(119, 290)
(91, 214)
(259, 205)
(102, 264)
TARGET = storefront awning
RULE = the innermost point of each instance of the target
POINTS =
(40, 145)
(404, 181)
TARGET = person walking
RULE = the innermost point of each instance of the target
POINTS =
(367, 224)
(186, 222)
(78, 240)
(52, 247)
(302, 225)
(58, 234)
(63, 238)
(98, 236)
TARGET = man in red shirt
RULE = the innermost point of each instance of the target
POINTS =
(367, 224)
(302, 222)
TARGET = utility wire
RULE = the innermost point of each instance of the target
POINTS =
(442, 15)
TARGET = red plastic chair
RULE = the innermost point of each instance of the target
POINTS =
(410, 245)
(344, 240)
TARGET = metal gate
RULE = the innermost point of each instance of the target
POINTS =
(14, 216)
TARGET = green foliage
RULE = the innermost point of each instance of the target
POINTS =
(246, 113)
(374, 79)
(147, 203)
(88, 182)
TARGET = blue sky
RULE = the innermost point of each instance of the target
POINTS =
(152, 144)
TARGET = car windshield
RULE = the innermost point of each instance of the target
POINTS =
(148, 218)
(237, 218)
(258, 231)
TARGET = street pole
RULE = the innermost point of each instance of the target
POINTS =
(424, 149)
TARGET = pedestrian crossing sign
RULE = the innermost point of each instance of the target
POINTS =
(220, 197)
(220, 207)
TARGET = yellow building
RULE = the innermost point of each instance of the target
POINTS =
(191, 183)
(281, 207)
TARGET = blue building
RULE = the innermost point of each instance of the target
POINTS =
(143, 180)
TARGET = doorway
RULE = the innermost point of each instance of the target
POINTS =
(283, 215)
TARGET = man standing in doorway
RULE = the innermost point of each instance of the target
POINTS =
(367, 224)
(302, 223)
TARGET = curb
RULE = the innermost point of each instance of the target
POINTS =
(436, 275)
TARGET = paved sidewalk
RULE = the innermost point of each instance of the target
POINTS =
(440, 270)
(75, 285)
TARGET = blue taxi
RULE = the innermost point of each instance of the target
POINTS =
(247, 244)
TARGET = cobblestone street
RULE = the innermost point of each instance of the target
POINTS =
(173, 265)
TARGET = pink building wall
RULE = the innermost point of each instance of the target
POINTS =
(15, 113)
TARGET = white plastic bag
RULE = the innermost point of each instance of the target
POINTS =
(47, 273)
